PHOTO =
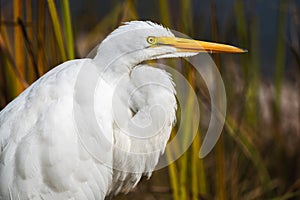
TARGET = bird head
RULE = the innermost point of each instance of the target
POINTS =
(138, 41)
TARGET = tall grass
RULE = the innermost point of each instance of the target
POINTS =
(238, 168)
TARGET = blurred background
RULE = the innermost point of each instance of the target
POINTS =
(258, 154)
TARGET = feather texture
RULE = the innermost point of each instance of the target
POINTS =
(42, 153)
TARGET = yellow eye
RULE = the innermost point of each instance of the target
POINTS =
(151, 40)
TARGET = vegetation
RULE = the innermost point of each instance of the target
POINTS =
(257, 156)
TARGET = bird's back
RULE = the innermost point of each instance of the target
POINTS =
(40, 156)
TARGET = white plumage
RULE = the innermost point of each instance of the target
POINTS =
(43, 154)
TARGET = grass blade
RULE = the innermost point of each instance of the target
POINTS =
(219, 153)
(165, 13)
(68, 28)
(18, 44)
(173, 173)
(280, 53)
(57, 29)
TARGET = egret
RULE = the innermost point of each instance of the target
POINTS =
(42, 155)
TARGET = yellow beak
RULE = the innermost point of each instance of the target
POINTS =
(189, 45)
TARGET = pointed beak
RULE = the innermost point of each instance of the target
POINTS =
(189, 45)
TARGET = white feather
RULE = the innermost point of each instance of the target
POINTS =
(41, 153)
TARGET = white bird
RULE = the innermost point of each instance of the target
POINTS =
(48, 149)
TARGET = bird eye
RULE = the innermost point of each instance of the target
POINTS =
(151, 40)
